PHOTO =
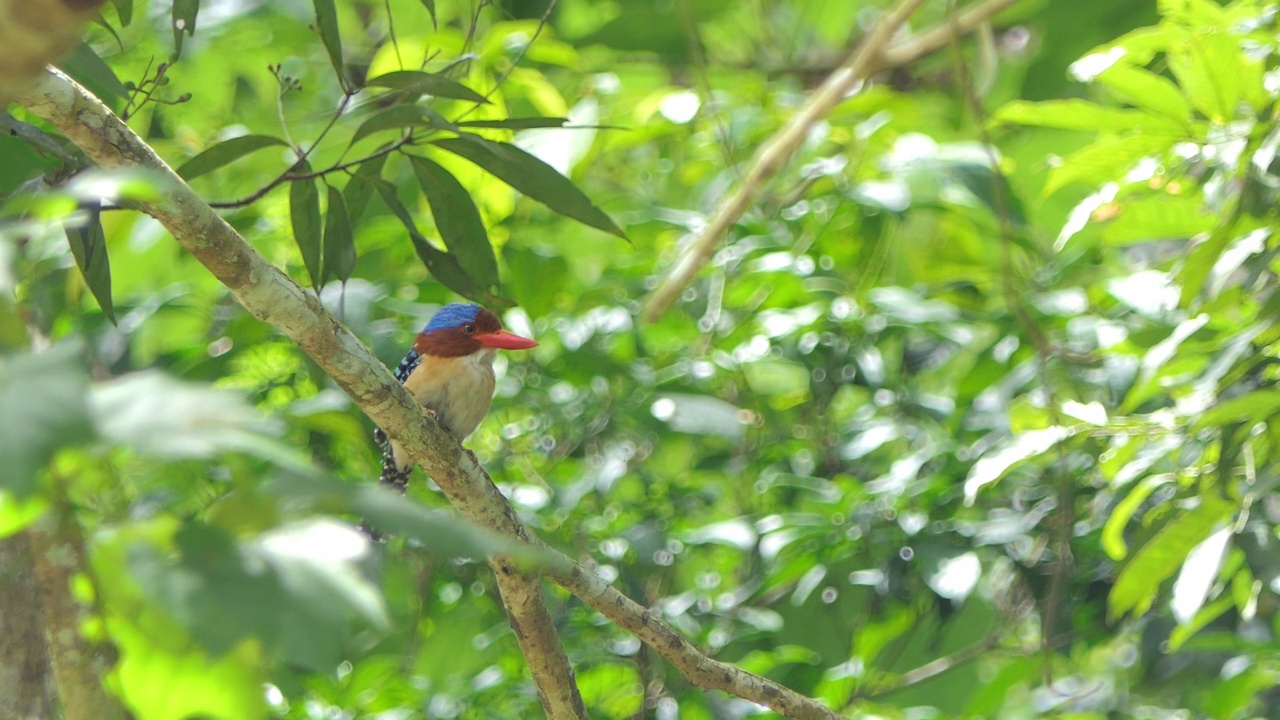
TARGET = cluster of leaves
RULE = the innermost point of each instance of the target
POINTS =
(972, 416)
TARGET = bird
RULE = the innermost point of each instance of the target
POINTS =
(449, 371)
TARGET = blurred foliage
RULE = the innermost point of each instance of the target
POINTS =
(975, 415)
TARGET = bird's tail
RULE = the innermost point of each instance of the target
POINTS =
(393, 475)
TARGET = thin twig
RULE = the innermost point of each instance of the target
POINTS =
(774, 154)
(289, 175)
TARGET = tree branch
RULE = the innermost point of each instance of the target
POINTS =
(875, 54)
(274, 298)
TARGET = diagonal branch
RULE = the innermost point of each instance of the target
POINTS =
(274, 298)
(875, 54)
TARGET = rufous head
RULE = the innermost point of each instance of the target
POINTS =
(461, 329)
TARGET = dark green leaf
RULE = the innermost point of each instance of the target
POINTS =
(304, 211)
(184, 20)
(357, 193)
(101, 22)
(458, 221)
(89, 247)
(84, 65)
(442, 266)
(529, 123)
(430, 5)
(530, 176)
(225, 152)
(124, 9)
(424, 83)
(339, 246)
(42, 409)
(401, 116)
(327, 24)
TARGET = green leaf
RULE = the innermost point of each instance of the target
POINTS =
(162, 683)
(1113, 530)
(89, 248)
(1162, 217)
(224, 153)
(327, 24)
(458, 221)
(358, 193)
(430, 5)
(1148, 91)
(442, 266)
(1106, 159)
(339, 245)
(1254, 407)
(401, 116)
(184, 20)
(84, 65)
(1083, 115)
(425, 83)
(1213, 72)
(1163, 555)
(161, 416)
(304, 211)
(1017, 449)
(124, 9)
(525, 123)
(42, 409)
(530, 176)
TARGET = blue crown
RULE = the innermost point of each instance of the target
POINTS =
(452, 316)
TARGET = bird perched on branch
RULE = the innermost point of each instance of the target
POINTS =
(449, 371)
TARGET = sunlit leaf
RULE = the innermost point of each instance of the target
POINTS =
(1147, 91)
(42, 409)
(1213, 72)
(1252, 406)
(1017, 449)
(224, 153)
(1136, 587)
(1083, 115)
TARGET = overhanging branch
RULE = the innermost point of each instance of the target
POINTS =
(273, 297)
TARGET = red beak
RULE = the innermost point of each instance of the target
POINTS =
(505, 340)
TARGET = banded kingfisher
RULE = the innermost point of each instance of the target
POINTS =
(449, 371)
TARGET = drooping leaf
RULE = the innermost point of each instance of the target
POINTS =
(304, 211)
(124, 9)
(425, 83)
(339, 245)
(1163, 555)
(42, 409)
(89, 248)
(430, 5)
(224, 153)
(183, 17)
(442, 266)
(327, 24)
(458, 221)
(84, 65)
(530, 176)
(358, 193)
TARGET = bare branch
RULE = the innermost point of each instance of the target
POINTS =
(875, 54)
(273, 297)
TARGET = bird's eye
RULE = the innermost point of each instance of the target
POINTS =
(469, 329)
